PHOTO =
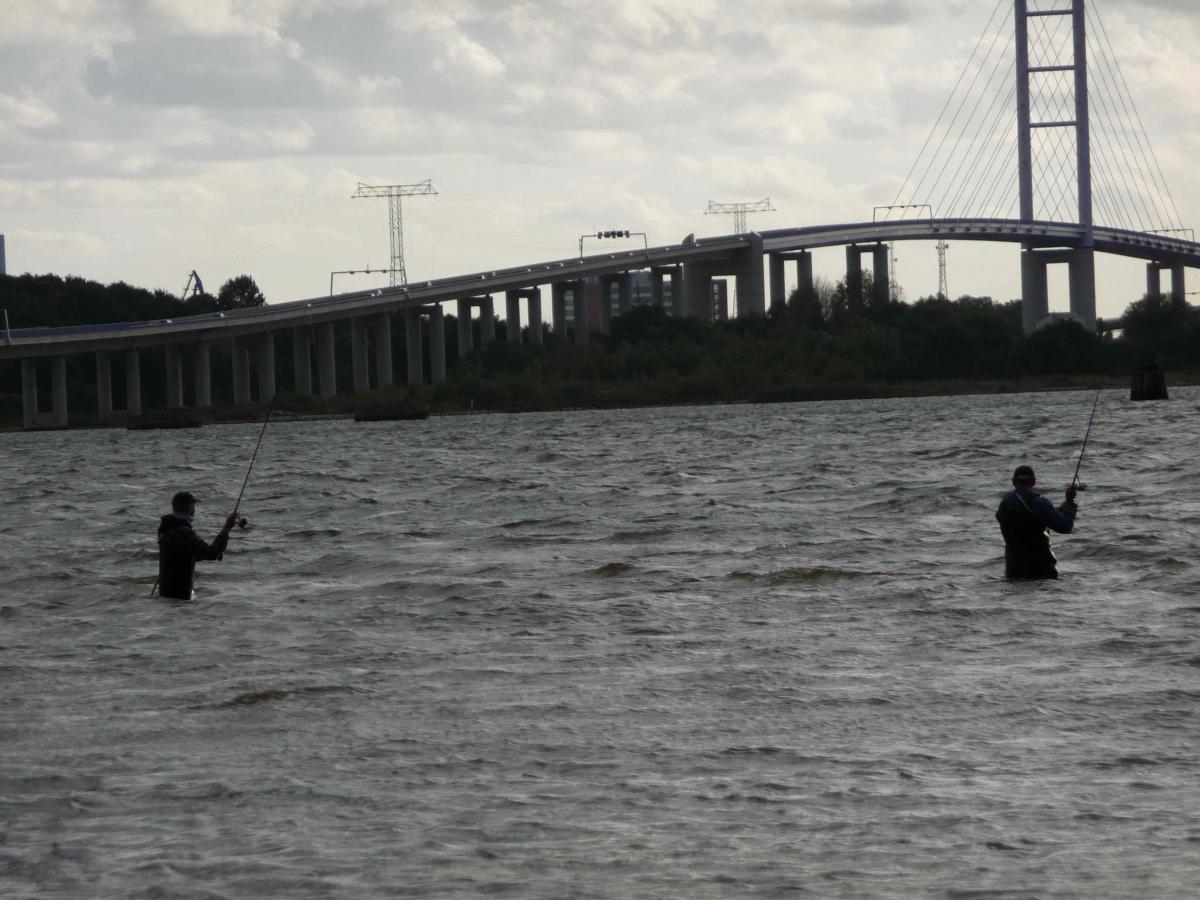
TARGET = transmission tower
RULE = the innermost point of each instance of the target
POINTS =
(943, 290)
(739, 211)
(395, 194)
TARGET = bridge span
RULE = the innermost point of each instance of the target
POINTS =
(689, 266)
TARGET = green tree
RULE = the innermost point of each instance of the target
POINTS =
(240, 293)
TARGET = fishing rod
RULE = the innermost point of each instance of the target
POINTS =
(242, 521)
(1083, 449)
(249, 468)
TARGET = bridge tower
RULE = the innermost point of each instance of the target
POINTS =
(1080, 258)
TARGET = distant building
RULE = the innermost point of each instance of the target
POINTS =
(720, 299)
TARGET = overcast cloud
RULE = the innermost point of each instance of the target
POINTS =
(144, 138)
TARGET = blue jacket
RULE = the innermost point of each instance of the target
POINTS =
(1024, 518)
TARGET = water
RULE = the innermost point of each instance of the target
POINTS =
(701, 652)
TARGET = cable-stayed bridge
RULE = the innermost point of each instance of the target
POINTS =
(1039, 144)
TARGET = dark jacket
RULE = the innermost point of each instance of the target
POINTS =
(179, 547)
(1024, 517)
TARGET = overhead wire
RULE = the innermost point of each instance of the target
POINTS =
(1099, 18)
(949, 100)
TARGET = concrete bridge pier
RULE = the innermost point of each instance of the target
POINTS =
(881, 287)
(775, 264)
(1035, 300)
(241, 372)
(579, 300)
(512, 316)
(697, 290)
(412, 345)
(327, 360)
(104, 397)
(487, 321)
(624, 293)
(1083, 286)
(174, 362)
(748, 269)
(383, 349)
(1154, 280)
(558, 306)
(1035, 294)
(266, 367)
(31, 417)
(29, 403)
(202, 373)
(302, 360)
(437, 344)
(533, 307)
(358, 350)
(133, 383)
(466, 336)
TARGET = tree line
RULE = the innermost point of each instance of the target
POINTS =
(823, 343)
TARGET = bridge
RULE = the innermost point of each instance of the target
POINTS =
(586, 291)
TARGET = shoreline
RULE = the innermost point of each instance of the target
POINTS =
(343, 408)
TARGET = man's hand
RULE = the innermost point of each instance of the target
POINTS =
(1071, 493)
(230, 521)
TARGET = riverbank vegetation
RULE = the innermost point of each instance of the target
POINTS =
(821, 346)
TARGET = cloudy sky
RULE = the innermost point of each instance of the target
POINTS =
(141, 139)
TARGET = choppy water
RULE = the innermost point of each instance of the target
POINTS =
(703, 652)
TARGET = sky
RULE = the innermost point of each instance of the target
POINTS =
(142, 139)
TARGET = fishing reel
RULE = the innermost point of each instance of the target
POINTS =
(243, 522)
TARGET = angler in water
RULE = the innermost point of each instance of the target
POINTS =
(179, 547)
(1025, 517)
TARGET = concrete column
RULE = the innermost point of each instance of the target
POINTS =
(29, 406)
(487, 321)
(854, 279)
(804, 276)
(512, 315)
(778, 288)
(466, 335)
(534, 310)
(59, 390)
(1178, 282)
(881, 287)
(1083, 286)
(697, 286)
(1153, 279)
(133, 383)
(580, 300)
(104, 400)
(606, 301)
(327, 359)
(437, 344)
(383, 349)
(1035, 300)
(241, 372)
(678, 292)
(624, 293)
(751, 289)
(174, 377)
(266, 367)
(302, 360)
(202, 373)
(558, 306)
(358, 349)
(656, 287)
(412, 338)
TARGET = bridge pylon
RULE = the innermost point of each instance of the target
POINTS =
(1081, 257)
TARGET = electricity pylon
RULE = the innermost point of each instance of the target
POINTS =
(943, 289)
(394, 193)
(738, 211)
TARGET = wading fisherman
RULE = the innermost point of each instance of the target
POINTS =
(1024, 518)
(179, 547)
